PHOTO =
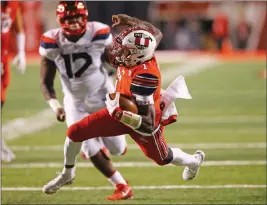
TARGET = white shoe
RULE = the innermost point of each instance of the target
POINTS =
(190, 172)
(55, 184)
(6, 154)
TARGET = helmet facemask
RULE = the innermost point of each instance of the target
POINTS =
(132, 47)
(121, 55)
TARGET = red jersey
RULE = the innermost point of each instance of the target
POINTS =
(220, 26)
(8, 15)
(144, 79)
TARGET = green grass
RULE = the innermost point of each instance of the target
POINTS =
(194, 196)
(229, 89)
(170, 175)
(137, 155)
(228, 106)
(24, 97)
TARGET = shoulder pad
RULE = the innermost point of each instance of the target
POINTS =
(100, 31)
(49, 39)
(49, 44)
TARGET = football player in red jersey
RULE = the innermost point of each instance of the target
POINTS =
(138, 76)
(10, 15)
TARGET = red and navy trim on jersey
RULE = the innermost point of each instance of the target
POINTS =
(144, 84)
(102, 34)
(160, 144)
(47, 42)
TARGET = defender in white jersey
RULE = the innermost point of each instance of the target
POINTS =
(75, 50)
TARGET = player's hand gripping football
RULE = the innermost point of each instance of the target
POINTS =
(60, 113)
(122, 20)
(112, 104)
(20, 62)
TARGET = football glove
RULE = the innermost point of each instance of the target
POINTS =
(20, 58)
(20, 62)
(112, 104)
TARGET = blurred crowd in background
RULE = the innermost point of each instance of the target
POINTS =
(220, 26)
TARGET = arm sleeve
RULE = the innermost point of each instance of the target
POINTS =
(143, 87)
(102, 34)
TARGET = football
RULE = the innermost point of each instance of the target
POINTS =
(126, 103)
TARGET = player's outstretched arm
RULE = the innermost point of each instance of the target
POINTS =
(123, 19)
(47, 75)
(20, 58)
(19, 21)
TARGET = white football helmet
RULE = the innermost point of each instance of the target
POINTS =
(132, 47)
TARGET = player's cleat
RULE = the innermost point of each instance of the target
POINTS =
(6, 154)
(55, 184)
(190, 172)
(122, 192)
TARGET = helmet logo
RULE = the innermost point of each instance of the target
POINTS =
(60, 8)
(142, 40)
(80, 5)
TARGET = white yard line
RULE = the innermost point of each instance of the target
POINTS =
(134, 164)
(191, 66)
(220, 131)
(46, 118)
(213, 146)
(225, 186)
(250, 93)
(222, 119)
(171, 56)
(18, 127)
(260, 145)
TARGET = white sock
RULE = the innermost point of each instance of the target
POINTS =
(181, 158)
(69, 171)
(116, 178)
(71, 150)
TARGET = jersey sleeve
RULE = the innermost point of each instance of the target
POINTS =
(102, 34)
(143, 87)
(48, 46)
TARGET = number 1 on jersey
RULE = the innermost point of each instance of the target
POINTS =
(144, 66)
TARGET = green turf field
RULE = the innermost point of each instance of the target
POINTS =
(226, 118)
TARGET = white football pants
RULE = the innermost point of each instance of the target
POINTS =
(115, 144)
